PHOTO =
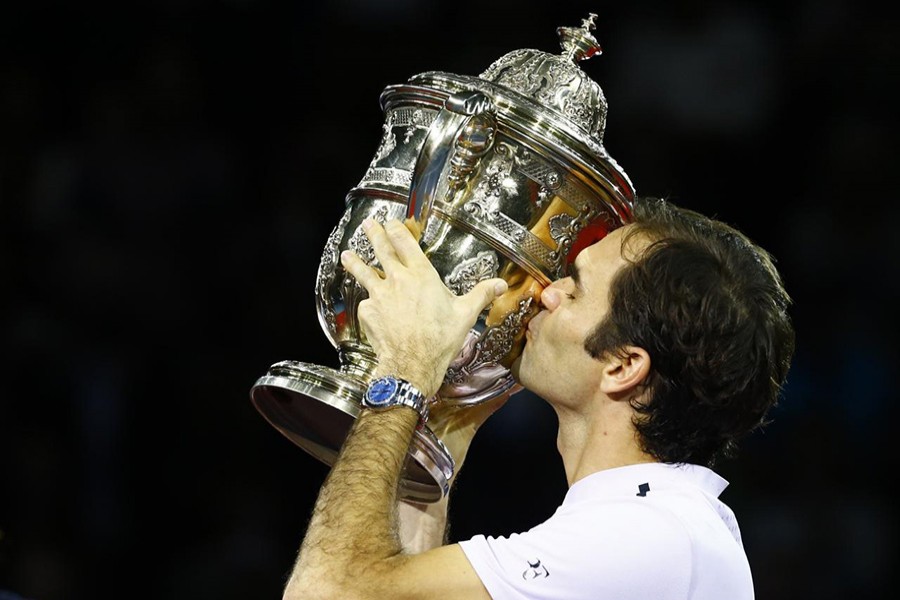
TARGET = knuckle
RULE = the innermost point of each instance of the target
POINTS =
(395, 231)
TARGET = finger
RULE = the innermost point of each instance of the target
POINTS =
(365, 275)
(384, 249)
(405, 244)
(363, 310)
(415, 228)
(483, 294)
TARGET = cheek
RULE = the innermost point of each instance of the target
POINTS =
(575, 335)
(569, 328)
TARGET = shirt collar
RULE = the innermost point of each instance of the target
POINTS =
(629, 481)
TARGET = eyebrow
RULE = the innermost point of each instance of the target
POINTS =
(575, 274)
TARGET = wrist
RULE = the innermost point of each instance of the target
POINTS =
(390, 391)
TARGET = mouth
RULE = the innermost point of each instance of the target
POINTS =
(533, 324)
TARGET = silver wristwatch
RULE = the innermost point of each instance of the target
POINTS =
(389, 391)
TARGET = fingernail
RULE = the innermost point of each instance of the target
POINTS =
(500, 287)
(344, 256)
(367, 223)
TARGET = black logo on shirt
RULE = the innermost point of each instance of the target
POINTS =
(535, 570)
(643, 489)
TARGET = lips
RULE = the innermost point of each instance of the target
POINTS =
(533, 323)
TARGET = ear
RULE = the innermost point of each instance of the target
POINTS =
(625, 370)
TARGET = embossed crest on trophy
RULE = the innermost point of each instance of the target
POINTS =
(507, 176)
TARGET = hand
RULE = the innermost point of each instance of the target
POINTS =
(415, 324)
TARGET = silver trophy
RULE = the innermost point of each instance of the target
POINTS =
(506, 176)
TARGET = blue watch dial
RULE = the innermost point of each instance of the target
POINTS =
(382, 390)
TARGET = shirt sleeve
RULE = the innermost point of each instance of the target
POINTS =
(600, 552)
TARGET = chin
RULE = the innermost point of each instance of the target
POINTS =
(519, 371)
(514, 368)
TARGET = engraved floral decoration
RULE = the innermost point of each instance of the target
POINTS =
(561, 228)
(496, 183)
(556, 81)
(487, 351)
(327, 266)
(388, 139)
(468, 273)
(417, 120)
(564, 229)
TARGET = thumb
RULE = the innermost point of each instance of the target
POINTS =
(484, 293)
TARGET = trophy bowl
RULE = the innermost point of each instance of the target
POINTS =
(505, 175)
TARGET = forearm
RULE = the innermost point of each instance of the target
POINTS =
(354, 522)
(425, 526)
(422, 526)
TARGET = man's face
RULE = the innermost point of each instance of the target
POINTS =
(554, 363)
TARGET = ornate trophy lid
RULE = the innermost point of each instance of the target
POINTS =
(543, 102)
(555, 81)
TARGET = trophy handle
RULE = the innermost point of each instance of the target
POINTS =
(461, 134)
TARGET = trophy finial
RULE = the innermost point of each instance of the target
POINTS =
(579, 43)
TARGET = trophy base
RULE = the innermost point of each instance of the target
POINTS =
(315, 406)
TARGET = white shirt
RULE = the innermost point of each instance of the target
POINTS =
(648, 531)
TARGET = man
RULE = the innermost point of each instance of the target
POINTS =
(668, 343)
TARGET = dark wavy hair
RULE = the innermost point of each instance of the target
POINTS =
(710, 309)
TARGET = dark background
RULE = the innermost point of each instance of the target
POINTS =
(170, 171)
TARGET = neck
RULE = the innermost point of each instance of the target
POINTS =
(593, 441)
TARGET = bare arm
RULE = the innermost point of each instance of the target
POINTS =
(422, 526)
(352, 548)
(425, 526)
(354, 522)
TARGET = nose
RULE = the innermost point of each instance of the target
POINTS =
(552, 296)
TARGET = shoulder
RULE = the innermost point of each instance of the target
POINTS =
(626, 548)
(625, 531)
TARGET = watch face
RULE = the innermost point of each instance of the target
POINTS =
(381, 391)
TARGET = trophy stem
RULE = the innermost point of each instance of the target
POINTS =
(357, 361)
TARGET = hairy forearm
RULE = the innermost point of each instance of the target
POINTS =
(354, 522)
